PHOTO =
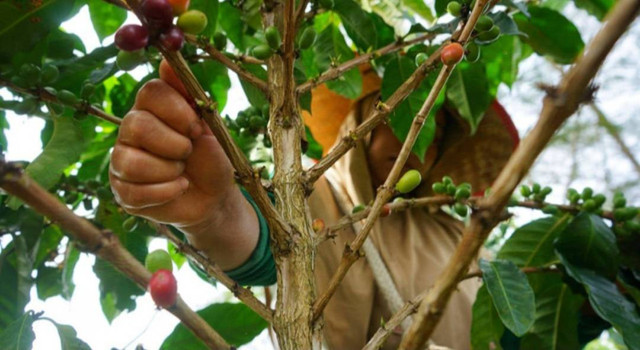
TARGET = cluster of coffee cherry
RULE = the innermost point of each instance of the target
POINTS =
(159, 30)
(251, 122)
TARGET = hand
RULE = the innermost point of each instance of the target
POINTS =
(167, 166)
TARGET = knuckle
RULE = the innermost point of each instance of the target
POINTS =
(150, 90)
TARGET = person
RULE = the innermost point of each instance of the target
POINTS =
(167, 166)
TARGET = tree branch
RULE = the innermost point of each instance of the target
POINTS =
(99, 242)
(220, 57)
(381, 335)
(351, 252)
(215, 271)
(336, 72)
(527, 270)
(556, 109)
(44, 95)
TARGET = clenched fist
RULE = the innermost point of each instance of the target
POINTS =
(167, 166)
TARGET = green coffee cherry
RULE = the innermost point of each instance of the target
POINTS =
(589, 205)
(158, 260)
(587, 193)
(619, 202)
(473, 52)
(358, 208)
(624, 214)
(130, 224)
(550, 209)
(129, 60)
(525, 191)
(447, 180)
(27, 106)
(439, 188)
(262, 52)
(545, 191)
(219, 41)
(484, 23)
(451, 189)
(409, 181)
(256, 122)
(599, 199)
(273, 37)
(454, 8)
(460, 209)
(51, 90)
(462, 193)
(67, 97)
(632, 225)
(192, 22)
(536, 188)
(490, 35)
(421, 58)
(87, 90)
(50, 74)
(30, 73)
(465, 185)
(307, 38)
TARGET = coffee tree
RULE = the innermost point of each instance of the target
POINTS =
(579, 264)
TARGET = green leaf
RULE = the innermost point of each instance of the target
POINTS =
(48, 282)
(209, 8)
(468, 91)
(501, 60)
(106, 18)
(419, 7)
(358, 25)
(120, 92)
(556, 323)
(19, 334)
(551, 34)
(330, 49)
(26, 23)
(236, 323)
(67, 143)
(511, 293)
(48, 244)
(608, 302)
(69, 338)
(214, 78)
(71, 259)
(589, 243)
(397, 71)
(532, 244)
(255, 96)
(486, 327)
(12, 302)
(506, 24)
(231, 22)
(598, 8)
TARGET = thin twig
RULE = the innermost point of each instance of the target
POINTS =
(613, 132)
(226, 61)
(527, 270)
(381, 335)
(300, 12)
(81, 106)
(215, 271)
(386, 191)
(573, 89)
(336, 72)
(99, 242)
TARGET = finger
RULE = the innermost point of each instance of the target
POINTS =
(170, 77)
(135, 165)
(137, 196)
(142, 129)
(160, 99)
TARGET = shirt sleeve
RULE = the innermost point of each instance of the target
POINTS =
(260, 269)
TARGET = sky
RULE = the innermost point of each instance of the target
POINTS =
(599, 165)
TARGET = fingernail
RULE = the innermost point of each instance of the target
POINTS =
(196, 130)
(184, 184)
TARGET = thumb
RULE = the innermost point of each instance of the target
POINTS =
(168, 75)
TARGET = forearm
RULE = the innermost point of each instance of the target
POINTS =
(229, 233)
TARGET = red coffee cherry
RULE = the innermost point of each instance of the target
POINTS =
(132, 37)
(172, 39)
(163, 288)
(451, 54)
(159, 13)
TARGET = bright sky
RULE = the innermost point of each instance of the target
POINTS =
(150, 326)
